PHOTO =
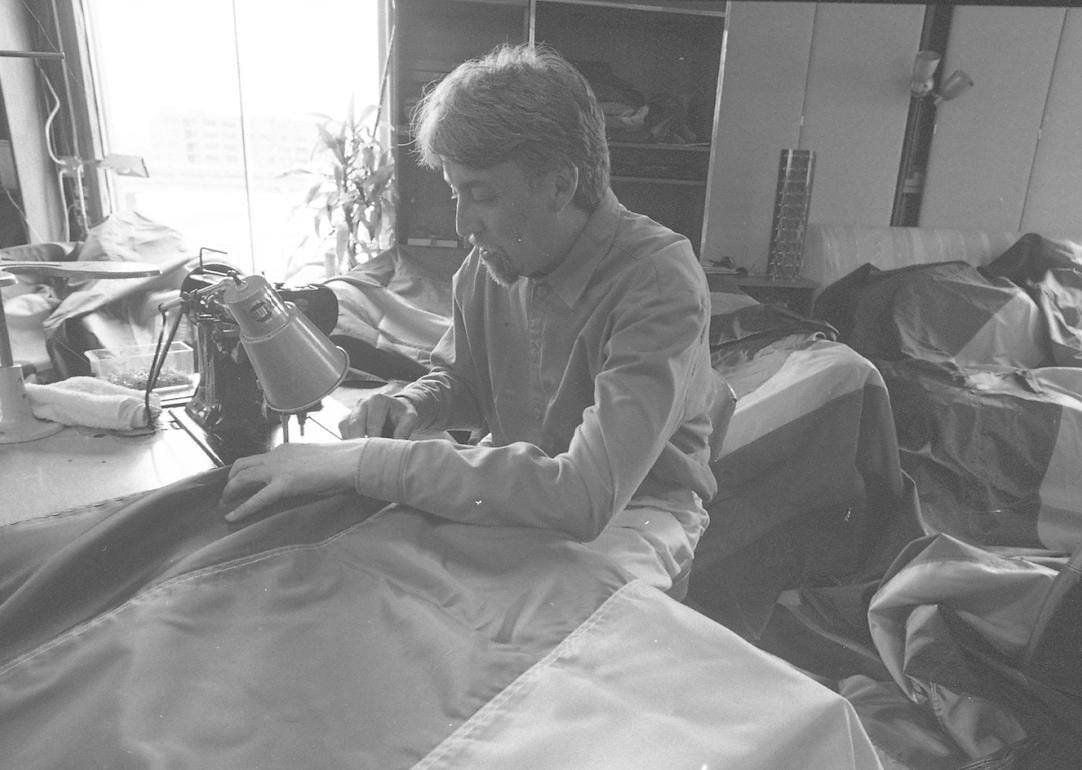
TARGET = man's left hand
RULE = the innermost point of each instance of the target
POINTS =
(289, 470)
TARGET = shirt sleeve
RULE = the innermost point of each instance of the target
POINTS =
(641, 395)
(448, 396)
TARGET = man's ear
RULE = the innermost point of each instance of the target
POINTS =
(565, 185)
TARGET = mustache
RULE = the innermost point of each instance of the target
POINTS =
(499, 267)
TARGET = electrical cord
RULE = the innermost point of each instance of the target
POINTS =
(62, 167)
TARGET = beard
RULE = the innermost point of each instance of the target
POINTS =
(499, 267)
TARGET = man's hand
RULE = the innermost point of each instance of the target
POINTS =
(289, 470)
(380, 415)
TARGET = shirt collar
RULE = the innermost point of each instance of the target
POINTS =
(571, 277)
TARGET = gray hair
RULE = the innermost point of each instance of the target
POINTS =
(519, 103)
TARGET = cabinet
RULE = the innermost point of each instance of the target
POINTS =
(654, 66)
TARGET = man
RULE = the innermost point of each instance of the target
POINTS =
(578, 340)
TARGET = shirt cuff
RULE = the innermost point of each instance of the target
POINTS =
(379, 468)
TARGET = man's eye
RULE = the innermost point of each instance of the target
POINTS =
(475, 196)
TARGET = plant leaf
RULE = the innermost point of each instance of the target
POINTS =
(313, 191)
(328, 139)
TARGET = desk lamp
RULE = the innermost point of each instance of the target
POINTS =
(17, 422)
(296, 364)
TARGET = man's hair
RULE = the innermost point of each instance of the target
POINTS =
(519, 103)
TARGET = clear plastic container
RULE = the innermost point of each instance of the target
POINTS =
(130, 367)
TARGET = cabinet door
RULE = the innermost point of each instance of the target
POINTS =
(654, 68)
(432, 38)
(981, 160)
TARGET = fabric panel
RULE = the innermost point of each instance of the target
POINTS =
(656, 714)
(803, 380)
(360, 649)
(949, 314)
(997, 595)
(91, 563)
(370, 313)
(904, 734)
(994, 454)
(653, 544)
(26, 306)
(809, 484)
(1051, 271)
(125, 236)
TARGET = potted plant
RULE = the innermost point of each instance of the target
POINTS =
(352, 197)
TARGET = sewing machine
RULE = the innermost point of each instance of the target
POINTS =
(229, 411)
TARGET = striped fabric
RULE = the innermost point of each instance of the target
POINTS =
(982, 367)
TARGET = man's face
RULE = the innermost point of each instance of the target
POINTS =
(510, 218)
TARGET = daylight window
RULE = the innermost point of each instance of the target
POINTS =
(220, 99)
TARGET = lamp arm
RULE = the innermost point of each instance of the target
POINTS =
(85, 269)
(31, 55)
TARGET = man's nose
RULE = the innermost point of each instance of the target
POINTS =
(466, 220)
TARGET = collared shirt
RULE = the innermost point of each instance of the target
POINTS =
(594, 383)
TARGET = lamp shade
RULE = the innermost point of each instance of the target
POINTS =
(296, 364)
(955, 85)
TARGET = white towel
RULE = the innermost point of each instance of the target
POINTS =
(93, 403)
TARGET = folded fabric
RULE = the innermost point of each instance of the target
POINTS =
(92, 403)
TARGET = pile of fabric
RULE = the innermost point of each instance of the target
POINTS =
(54, 321)
(984, 370)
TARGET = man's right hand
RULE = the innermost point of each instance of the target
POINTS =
(380, 415)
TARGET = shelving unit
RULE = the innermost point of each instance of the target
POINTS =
(432, 38)
(654, 66)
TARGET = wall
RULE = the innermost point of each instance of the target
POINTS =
(36, 172)
(829, 77)
(1006, 155)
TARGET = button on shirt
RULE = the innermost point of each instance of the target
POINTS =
(594, 383)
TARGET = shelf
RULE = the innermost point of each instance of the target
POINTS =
(661, 163)
(703, 147)
(659, 180)
(796, 294)
(766, 281)
(695, 7)
(520, 4)
(664, 54)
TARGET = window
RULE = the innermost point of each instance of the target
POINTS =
(220, 100)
